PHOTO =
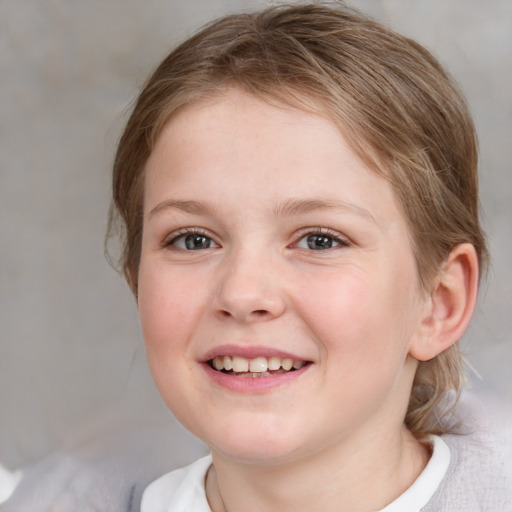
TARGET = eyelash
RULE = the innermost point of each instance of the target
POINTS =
(325, 232)
(335, 237)
(181, 233)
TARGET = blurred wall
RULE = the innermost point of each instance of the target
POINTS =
(70, 345)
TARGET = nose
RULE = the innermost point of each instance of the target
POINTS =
(248, 290)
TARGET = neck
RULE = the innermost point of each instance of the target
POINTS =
(338, 479)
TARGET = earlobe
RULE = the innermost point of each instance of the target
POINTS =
(451, 304)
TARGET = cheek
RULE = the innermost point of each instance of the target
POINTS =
(358, 314)
(167, 307)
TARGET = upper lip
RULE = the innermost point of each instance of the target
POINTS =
(249, 352)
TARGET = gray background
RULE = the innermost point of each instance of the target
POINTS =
(70, 349)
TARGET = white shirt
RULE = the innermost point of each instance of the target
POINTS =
(183, 490)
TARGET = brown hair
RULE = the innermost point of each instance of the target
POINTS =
(397, 107)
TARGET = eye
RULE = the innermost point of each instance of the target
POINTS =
(192, 241)
(320, 241)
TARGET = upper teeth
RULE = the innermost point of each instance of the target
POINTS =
(256, 365)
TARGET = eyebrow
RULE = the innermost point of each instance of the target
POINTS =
(302, 206)
(288, 207)
(194, 207)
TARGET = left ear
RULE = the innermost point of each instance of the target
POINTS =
(451, 304)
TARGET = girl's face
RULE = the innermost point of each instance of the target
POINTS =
(268, 243)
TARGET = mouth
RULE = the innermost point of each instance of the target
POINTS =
(237, 366)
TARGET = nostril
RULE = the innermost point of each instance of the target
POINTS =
(256, 314)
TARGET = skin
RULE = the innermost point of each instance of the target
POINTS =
(262, 179)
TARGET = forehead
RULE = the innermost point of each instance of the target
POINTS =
(281, 151)
(222, 122)
(297, 106)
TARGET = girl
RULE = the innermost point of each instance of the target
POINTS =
(298, 190)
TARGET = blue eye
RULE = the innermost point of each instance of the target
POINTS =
(319, 242)
(193, 242)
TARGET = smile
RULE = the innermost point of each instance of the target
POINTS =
(257, 367)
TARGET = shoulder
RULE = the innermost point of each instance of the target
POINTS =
(108, 472)
(179, 491)
(480, 473)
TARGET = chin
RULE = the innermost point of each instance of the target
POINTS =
(257, 455)
(255, 444)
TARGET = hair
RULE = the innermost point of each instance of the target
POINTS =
(396, 106)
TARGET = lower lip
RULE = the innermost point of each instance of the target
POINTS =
(253, 384)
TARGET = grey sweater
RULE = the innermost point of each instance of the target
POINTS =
(479, 478)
